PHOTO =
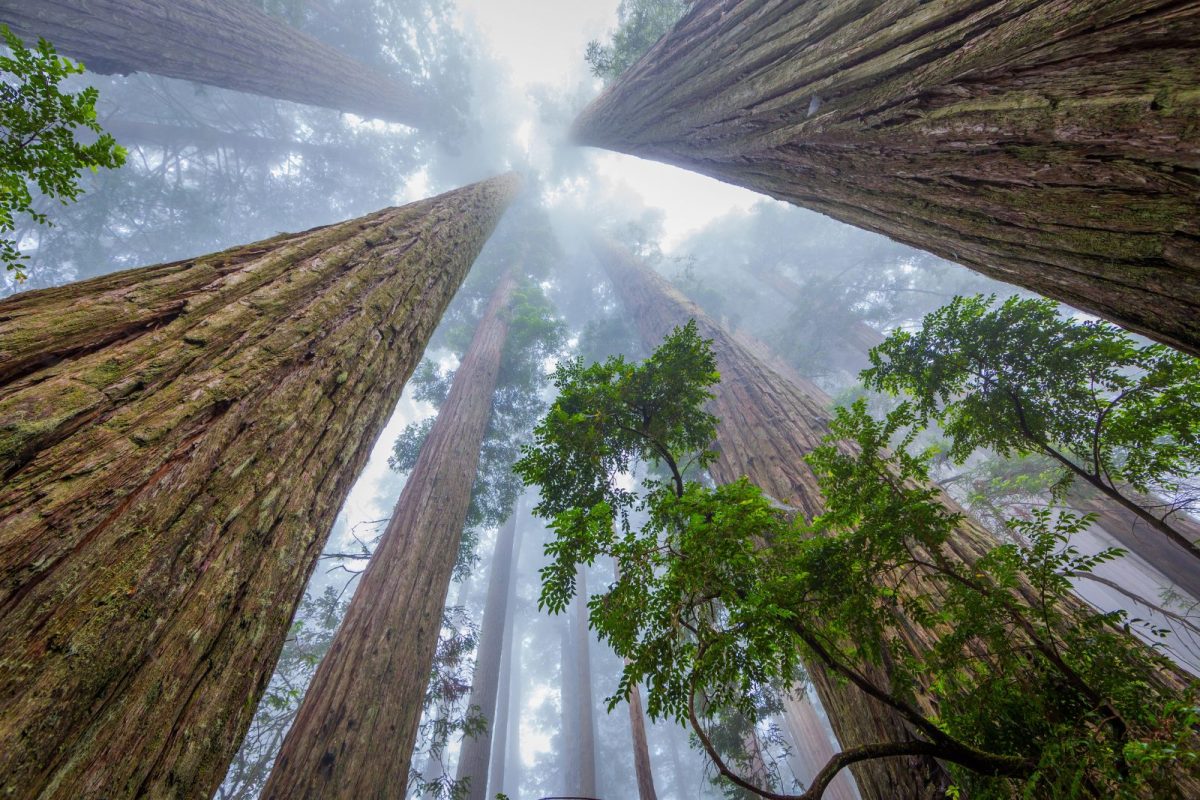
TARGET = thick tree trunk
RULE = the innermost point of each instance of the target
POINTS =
(812, 747)
(1050, 144)
(223, 43)
(476, 750)
(506, 729)
(581, 645)
(767, 426)
(175, 442)
(354, 733)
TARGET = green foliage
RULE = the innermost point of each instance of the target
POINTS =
(640, 23)
(722, 594)
(38, 145)
(1019, 379)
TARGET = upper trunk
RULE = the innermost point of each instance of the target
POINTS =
(1052, 144)
(641, 748)
(506, 740)
(176, 441)
(218, 42)
(476, 750)
(811, 747)
(356, 727)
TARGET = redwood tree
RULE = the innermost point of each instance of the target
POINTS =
(1047, 144)
(354, 733)
(175, 442)
(218, 42)
(476, 750)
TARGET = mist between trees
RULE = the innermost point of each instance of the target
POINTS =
(435, 455)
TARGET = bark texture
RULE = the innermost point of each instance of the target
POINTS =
(223, 43)
(1053, 144)
(768, 424)
(641, 748)
(175, 442)
(356, 727)
(476, 751)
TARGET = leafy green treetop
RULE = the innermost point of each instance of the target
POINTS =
(38, 123)
(1019, 378)
(721, 592)
(640, 23)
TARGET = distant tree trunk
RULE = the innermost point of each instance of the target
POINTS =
(476, 750)
(757, 772)
(812, 747)
(569, 707)
(175, 442)
(1048, 144)
(1132, 533)
(767, 426)
(581, 639)
(223, 43)
(355, 729)
(508, 707)
(641, 747)
(205, 137)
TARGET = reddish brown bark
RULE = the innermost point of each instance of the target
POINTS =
(811, 747)
(1051, 144)
(641, 748)
(223, 43)
(476, 750)
(175, 442)
(356, 727)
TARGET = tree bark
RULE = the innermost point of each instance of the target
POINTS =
(175, 443)
(508, 703)
(641, 747)
(1050, 144)
(476, 751)
(356, 727)
(581, 645)
(217, 42)
(767, 426)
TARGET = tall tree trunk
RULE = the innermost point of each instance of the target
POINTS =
(641, 747)
(175, 443)
(508, 706)
(812, 747)
(223, 43)
(356, 726)
(569, 707)
(581, 644)
(1047, 143)
(767, 426)
(476, 750)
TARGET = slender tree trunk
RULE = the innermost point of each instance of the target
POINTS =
(1048, 143)
(569, 778)
(175, 442)
(354, 733)
(757, 772)
(508, 706)
(812, 746)
(223, 43)
(581, 644)
(767, 426)
(641, 747)
(476, 750)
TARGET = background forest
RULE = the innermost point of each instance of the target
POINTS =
(602, 258)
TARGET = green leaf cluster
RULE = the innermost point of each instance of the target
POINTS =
(722, 594)
(641, 23)
(38, 144)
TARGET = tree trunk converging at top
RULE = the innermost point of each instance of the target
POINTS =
(223, 43)
(175, 442)
(357, 724)
(1052, 145)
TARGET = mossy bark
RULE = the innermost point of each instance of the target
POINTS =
(175, 442)
(768, 424)
(357, 724)
(1050, 144)
(476, 752)
(225, 43)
